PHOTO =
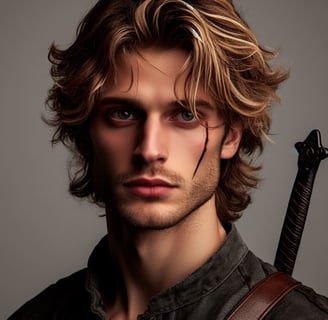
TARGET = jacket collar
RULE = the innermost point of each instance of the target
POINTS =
(102, 277)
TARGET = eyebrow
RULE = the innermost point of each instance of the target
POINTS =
(135, 103)
(121, 101)
(198, 103)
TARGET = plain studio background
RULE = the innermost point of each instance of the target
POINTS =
(46, 234)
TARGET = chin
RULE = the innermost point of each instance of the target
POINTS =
(150, 218)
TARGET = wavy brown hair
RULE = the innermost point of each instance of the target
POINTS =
(224, 56)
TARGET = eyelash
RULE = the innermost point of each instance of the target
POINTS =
(181, 112)
(115, 121)
(123, 111)
(178, 120)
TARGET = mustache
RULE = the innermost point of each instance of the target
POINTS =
(153, 171)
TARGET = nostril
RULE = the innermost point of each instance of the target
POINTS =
(143, 157)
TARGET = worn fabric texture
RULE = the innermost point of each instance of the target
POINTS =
(210, 292)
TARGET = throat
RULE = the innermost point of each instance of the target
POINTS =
(154, 260)
(151, 261)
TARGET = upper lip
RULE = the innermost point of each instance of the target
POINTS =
(148, 183)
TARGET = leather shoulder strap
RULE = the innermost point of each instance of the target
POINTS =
(263, 297)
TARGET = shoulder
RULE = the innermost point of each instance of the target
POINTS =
(301, 303)
(64, 297)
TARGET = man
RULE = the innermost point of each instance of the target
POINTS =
(162, 103)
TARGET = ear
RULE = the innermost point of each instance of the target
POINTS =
(231, 143)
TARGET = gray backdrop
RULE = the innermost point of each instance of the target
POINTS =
(46, 234)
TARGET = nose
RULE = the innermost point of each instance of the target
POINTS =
(151, 143)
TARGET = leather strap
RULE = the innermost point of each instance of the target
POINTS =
(263, 297)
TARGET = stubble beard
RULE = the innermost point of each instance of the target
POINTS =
(157, 214)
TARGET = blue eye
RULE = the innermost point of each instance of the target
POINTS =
(184, 119)
(186, 116)
(122, 115)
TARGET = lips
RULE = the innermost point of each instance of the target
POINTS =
(146, 188)
(148, 182)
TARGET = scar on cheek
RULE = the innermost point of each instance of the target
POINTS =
(204, 150)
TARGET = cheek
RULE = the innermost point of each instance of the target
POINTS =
(205, 151)
(189, 147)
(111, 146)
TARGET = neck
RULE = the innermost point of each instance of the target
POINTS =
(154, 260)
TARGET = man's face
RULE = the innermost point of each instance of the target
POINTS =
(147, 147)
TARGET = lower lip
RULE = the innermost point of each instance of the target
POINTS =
(149, 191)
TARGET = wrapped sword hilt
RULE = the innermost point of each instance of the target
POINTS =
(311, 152)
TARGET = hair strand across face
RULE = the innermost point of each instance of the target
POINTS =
(224, 57)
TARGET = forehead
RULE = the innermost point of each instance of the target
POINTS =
(163, 71)
(165, 61)
(155, 64)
